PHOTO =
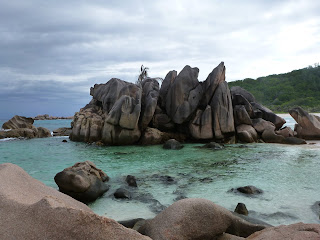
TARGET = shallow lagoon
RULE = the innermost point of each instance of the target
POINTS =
(289, 175)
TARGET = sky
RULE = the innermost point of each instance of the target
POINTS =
(52, 52)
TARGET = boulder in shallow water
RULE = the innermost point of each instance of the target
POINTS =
(172, 144)
(131, 180)
(308, 125)
(32, 210)
(246, 133)
(122, 193)
(251, 190)
(151, 136)
(83, 181)
(241, 209)
(196, 219)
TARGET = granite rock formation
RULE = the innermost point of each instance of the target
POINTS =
(123, 113)
(22, 127)
(83, 181)
(308, 125)
(32, 210)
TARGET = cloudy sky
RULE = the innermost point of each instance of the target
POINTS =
(52, 52)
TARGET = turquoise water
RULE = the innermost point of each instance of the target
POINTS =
(289, 175)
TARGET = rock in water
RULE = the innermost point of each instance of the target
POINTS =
(83, 181)
(18, 122)
(22, 127)
(172, 144)
(196, 219)
(308, 125)
(31, 210)
(241, 209)
(183, 95)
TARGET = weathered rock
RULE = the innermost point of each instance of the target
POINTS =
(222, 112)
(268, 115)
(122, 193)
(83, 181)
(201, 125)
(131, 180)
(183, 95)
(32, 210)
(211, 83)
(196, 219)
(152, 136)
(162, 122)
(269, 136)
(294, 231)
(241, 209)
(286, 132)
(64, 131)
(247, 134)
(43, 132)
(236, 90)
(172, 144)
(316, 209)
(18, 122)
(249, 190)
(241, 115)
(294, 141)
(308, 125)
(64, 140)
(238, 99)
(168, 80)
(150, 94)
(260, 124)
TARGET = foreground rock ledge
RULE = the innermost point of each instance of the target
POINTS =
(31, 210)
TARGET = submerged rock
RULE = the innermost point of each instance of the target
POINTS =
(83, 181)
(131, 180)
(172, 144)
(249, 190)
(122, 193)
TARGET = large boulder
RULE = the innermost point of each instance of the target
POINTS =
(18, 122)
(165, 86)
(241, 115)
(222, 112)
(189, 219)
(183, 95)
(268, 115)
(269, 136)
(246, 133)
(308, 125)
(151, 136)
(294, 231)
(236, 90)
(201, 125)
(83, 181)
(22, 127)
(150, 94)
(260, 124)
(31, 210)
(112, 115)
(211, 83)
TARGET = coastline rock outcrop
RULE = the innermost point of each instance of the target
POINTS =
(308, 125)
(32, 210)
(196, 219)
(64, 131)
(83, 181)
(47, 117)
(22, 127)
(123, 113)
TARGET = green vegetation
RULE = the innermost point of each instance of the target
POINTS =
(284, 91)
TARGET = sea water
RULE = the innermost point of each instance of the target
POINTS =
(288, 175)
